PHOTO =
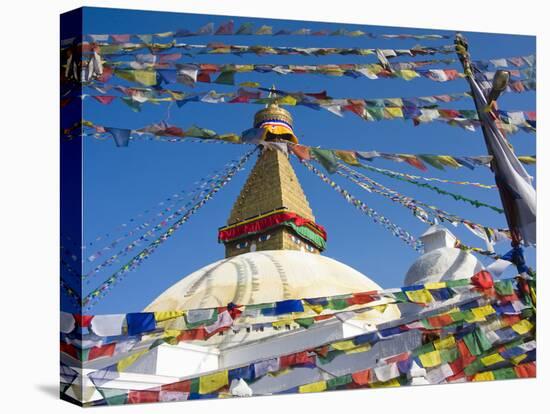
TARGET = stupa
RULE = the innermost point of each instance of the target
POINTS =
(273, 249)
(441, 260)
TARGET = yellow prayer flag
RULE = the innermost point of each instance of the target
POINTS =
(287, 100)
(527, 159)
(244, 68)
(314, 387)
(430, 359)
(230, 137)
(419, 296)
(522, 327)
(444, 343)
(359, 349)
(483, 311)
(164, 316)
(484, 376)
(171, 333)
(391, 383)
(344, 345)
(492, 359)
(394, 112)
(517, 359)
(448, 160)
(213, 382)
(407, 74)
(470, 317)
(250, 84)
(435, 285)
(347, 156)
(315, 308)
(145, 77)
(126, 362)
(380, 308)
(282, 322)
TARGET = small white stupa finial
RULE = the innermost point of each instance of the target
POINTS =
(437, 237)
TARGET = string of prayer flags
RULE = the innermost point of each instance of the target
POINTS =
(171, 207)
(406, 176)
(181, 211)
(163, 132)
(221, 48)
(89, 300)
(457, 197)
(424, 212)
(135, 324)
(378, 218)
(248, 28)
(471, 334)
(368, 110)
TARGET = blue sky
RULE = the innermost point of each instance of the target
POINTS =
(120, 183)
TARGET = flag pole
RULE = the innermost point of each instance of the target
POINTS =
(506, 197)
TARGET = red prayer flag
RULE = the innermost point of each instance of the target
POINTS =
(138, 397)
(361, 377)
(240, 99)
(83, 320)
(440, 321)
(104, 99)
(415, 162)
(528, 370)
(361, 298)
(192, 335)
(483, 280)
(101, 351)
(319, 95)
(465, 354)
(180, 386)
(225, 29)
(203, 77)
(106, 75)
(68, 349)
(301, 152)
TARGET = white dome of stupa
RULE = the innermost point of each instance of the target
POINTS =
(441, 260)
(262, 277)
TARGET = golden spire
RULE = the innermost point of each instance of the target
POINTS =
(272, 211)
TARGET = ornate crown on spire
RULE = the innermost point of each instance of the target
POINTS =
(272, 112)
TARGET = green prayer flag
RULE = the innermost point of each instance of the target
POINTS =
(226, 78)
(424, 349)
(326, 158)
(305, 322)
(432, 160)
(195, 385)
(474, 367)
(376, 113)
(457, 283)
(504, 373)
(134, 105)
(504, 287)
(113, 396)
(334, 383)
(245, 29)
(448, 355)
(471, 343)
(482, 340)
(338, 304)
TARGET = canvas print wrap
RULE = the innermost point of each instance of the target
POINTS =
(256, 207)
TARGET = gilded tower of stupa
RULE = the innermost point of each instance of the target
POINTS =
(272, 211)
